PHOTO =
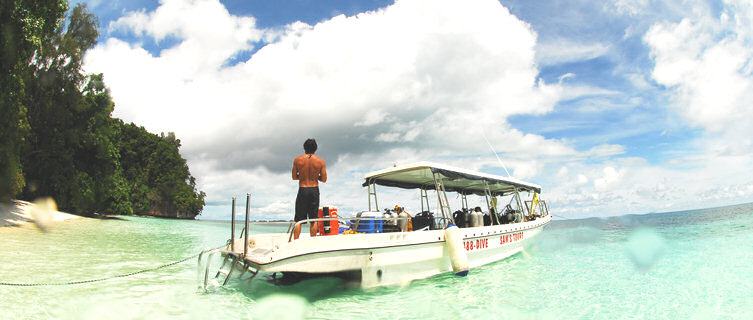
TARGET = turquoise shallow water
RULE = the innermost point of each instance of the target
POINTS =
(684, 265)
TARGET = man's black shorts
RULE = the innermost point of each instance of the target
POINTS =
(307, 203)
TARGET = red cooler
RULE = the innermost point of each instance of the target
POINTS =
(328, 227)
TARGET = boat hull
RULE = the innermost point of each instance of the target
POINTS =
(387, 258)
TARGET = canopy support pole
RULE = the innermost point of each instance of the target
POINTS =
(424, 200)
(488, 195)
(444, 205)
(372, 193)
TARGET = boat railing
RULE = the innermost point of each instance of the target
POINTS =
(351, 221)
(443, 222)
(541, 209)
(244, 232)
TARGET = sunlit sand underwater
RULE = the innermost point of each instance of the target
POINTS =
(683, 265)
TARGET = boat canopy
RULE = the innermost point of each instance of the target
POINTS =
(420, 175)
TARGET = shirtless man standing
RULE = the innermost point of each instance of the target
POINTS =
(308, 169)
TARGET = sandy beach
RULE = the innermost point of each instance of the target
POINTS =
(21, 212)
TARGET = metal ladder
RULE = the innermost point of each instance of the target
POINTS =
(229, 265)
(234, 259)
(444, 205)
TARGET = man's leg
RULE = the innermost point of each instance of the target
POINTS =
(296, 231)
(300, 212)
(315, 210)
(314, 228)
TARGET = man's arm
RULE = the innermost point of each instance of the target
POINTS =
(323, 174)
(295, 171)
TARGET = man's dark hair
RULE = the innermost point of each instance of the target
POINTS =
(309, 146)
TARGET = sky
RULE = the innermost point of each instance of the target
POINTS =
(613, 107)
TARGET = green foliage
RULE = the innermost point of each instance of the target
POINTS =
(60, 129)
(70, 153)
(23, 25)
(159, 178)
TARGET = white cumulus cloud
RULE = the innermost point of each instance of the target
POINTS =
(564, 50)
(423, 76)
(707, 63)
(421, 80)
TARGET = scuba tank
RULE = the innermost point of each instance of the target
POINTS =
(389, 217)
(403, 222)
(478, 217)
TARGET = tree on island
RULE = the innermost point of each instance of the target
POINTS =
(23, 25)
(61, 140)
(157, 175)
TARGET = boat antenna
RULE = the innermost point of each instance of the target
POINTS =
(495, 154)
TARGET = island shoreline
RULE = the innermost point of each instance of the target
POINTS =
(18, 213)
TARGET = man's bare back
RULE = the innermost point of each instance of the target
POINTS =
(309, 169)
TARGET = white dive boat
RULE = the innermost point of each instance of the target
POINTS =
(379, 253)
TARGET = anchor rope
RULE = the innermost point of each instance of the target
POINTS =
(566, 218)
(67, 283)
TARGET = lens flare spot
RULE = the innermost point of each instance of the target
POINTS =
(281, 306)
(644, 247)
